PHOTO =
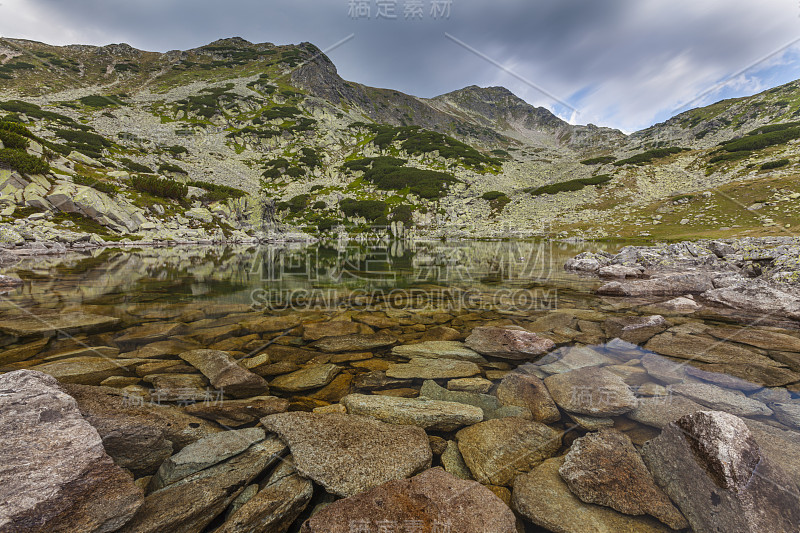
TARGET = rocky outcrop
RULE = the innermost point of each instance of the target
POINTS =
(56, 475)
(712, 468)
(349, 454)
(431, 501)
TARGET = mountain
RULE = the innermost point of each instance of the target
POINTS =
(204, 139)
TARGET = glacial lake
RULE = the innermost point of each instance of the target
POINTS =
(161, 301)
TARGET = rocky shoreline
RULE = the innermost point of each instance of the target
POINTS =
(755, 276)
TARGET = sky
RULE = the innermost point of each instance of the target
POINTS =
(625, 64)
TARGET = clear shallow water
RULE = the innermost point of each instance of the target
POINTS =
(408, 291)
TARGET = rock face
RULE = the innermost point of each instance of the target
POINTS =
(431, 501)
(497, 450)
(525, 390)
(56, 476)
(225, 374)
(591, 391)
(712, 468)
(427, 414)
(189, 505)
(542, 497)
(605, 469)
(349, 454)
(508, 343)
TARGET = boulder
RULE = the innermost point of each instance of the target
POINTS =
(592, 391)
(635, 330)
(423, 368)
(705, 350)
(604, 468)
(432, 501)
(477, 385)
(542, 497)
(235, 413)
(225, 373)
(674, 284)
(355, 343)
(490, 405)
(712, 468)
(453, 461)
(88, 370)
(349, 454)
(571, 358)
(47, 325)
(428, 414)
(508, 343)
(756, 297)
(497, 450)
(621, 271)
(438, 350)
(311, 377)
(720, 399)
(525, 390)
(56, 474)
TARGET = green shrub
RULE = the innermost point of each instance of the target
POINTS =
(775, 164)
(133, 166)
(295, 204)
(101, 186)
(176, 149)
(403, 213)
(16, 127)
(34, 111)
(759, 141)
(13, 140)
(603, 160)
(280, 112)
(387, 173)
(164, 188)
(217, 193)
(371, 210)
(571, 186)
(169, 167)
(319, 205)
(492, 195)
(97, 100)
(22, 162)
(731, 156)
(327, 224)
(85, 142)
(649, 156)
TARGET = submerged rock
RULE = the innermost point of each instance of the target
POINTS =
(47, 325)
(348, 454)
(438, 350)
(530, 392)
(56, 474)
(712, 468)
(431, 501)
(605, 469)
(225, 373)
(497, 450)
(424, 368)
(592, 391)
(508, 343)
(428, 414)
(311, 377)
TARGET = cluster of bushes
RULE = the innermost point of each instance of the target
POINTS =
(493, 195)
(22, 162)
(169, 167)
(133, 166)
(291, 57)
(571, 185)
(263, 84)
(390, 174)
(85, 142)
(603, 160)
(13, 140)
(34, 111)
(163, 188)
(176, 149)
(9, 68)
(295, 204)
(206, 105)
(97, 100)
(310, 158)
(649, 156)
(775, 164)
(764, 137)
(250, 130)
(101, 186)
(730, 156)
(418, 141)
(300, 125)
(127, 67)
(281, 111)
(372, 210)
(217, 193)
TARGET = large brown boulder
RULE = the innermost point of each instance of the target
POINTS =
(432, 501)
(56, 476)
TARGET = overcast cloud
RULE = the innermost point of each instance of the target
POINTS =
(620, 63)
